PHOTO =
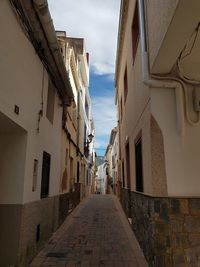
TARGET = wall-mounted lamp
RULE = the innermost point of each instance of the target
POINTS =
(87, 143)
(90, 137)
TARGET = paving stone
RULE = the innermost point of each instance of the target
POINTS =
(175, 206)
(37, 262)
(176, 226)
(95, 234)
(194, 205)
(179, 259)
(192, 224)
(194, 239)
(180, 240)
(162, 228)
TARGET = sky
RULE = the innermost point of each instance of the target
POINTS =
(97, 22)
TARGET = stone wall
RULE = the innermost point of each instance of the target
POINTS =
(10, 221)
(67, 202)
(49, 214)
(168, 229)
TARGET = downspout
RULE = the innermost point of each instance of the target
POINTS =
(154, 81)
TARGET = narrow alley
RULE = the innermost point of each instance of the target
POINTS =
(96, 233)
(100, 133)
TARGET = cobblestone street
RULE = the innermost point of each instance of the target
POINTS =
(96, 233)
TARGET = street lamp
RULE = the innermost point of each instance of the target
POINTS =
(87, 143)
(90, 137)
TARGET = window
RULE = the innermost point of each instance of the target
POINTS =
(66, 157)
(85, 133)
(87, 178)
(113, 161)
(84, 173)
(119, 172)
(45, 175)
(121, 107)
(86, 107)
(78, 172)
(138, 165)
(135, 31)
(74, 114)
(35, 171)
(71, 173)
(50, 102)
(125, 84)
(123, 176)
(128, 166)
(38, 233)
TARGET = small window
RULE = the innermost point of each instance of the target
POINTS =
(87, 178)
(138, 165)
(35, 171)
(78, 172)
(125, 84)
(86, 107)
(71, 173)
(66, 157)
(135, 31)
(50, 102)
(121, 107)
(128, 173)
(74, 115)
(38, 233)
(45, 175)
(123, 175)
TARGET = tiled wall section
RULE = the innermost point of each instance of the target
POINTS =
(168, 229)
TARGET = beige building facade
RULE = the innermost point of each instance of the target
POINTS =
(78, 124)
(157, 97)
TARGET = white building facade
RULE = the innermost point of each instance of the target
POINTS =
(101, 179)
(34, 87)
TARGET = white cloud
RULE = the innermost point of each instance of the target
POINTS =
(100, 144)
(94, 20)
(97, 22)
(104, 113)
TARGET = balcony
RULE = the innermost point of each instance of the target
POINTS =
(181, 33)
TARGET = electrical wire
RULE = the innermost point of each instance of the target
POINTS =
(193, 44)
(182, 57)
(190, 121)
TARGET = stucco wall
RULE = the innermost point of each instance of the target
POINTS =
(182, 152)
(101, 179)
(178, 175)
(159, 16)
(24, 82)
(12, 147)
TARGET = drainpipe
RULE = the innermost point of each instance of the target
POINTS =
(155, 81)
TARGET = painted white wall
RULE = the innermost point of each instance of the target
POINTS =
(21, 84)
(115, 157)
(101, 179)
(182, 153)
(12, 164)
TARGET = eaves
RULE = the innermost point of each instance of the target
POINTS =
(36, 22)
